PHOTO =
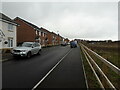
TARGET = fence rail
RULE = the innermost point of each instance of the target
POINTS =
(92, 63)
(110, 65)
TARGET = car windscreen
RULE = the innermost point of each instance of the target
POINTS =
(27, 45)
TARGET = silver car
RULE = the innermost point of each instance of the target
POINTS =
(27, 49)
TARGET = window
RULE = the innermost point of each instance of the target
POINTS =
(44, 34)
(39, 33)
(27, 44)
(53, 37)
(36, 32)
(10, 42)
(37, 44)
(10, 27)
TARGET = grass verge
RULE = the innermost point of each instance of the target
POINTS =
(110, 52)
(91, 80)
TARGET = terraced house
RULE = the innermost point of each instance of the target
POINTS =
(52, 38)
(28, 32)
(48, 37)
(56, 39)
(7, 32)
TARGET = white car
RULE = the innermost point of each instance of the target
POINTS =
(27, 49)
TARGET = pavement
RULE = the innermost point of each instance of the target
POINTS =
(5, 57)
(26, 73)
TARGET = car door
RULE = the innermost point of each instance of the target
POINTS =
(36, 48)
(32, 49)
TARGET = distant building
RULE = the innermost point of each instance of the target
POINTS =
(66, 40)
(7, 32)
(56, 39)
(48, 37)
(60, 39)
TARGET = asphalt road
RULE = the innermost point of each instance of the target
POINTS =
(26, 73)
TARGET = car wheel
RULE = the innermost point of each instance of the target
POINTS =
(28, 54)
(39, 52)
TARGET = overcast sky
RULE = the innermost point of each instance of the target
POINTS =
(83, 20)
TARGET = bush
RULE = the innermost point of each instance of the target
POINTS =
(6, 50)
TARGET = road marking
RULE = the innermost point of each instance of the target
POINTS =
(50, 71)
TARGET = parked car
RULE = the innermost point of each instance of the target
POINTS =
(73, 44)
(63, 44)
(68, 43)
(27, 49)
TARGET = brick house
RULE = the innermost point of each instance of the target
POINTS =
(56, 39)
(51, 38)
(60, 39)
(66, 40)
(26, 31)
(48, 36)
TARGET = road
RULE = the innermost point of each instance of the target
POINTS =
(56, 67)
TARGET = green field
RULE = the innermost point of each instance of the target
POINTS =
(107, 50)
(110, 52)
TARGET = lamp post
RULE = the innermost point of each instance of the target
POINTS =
(58, 38)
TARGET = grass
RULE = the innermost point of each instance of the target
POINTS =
(107, 50)
(110, 52)
(112, 76)
(89, 74)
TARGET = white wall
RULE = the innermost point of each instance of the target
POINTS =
(0, 36)
(11, 34)
(0, 44)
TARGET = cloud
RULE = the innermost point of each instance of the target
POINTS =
(88, 20)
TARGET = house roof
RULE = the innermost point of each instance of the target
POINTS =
(6, 18)
(55, 34)
(32, 25)
(44, 30)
